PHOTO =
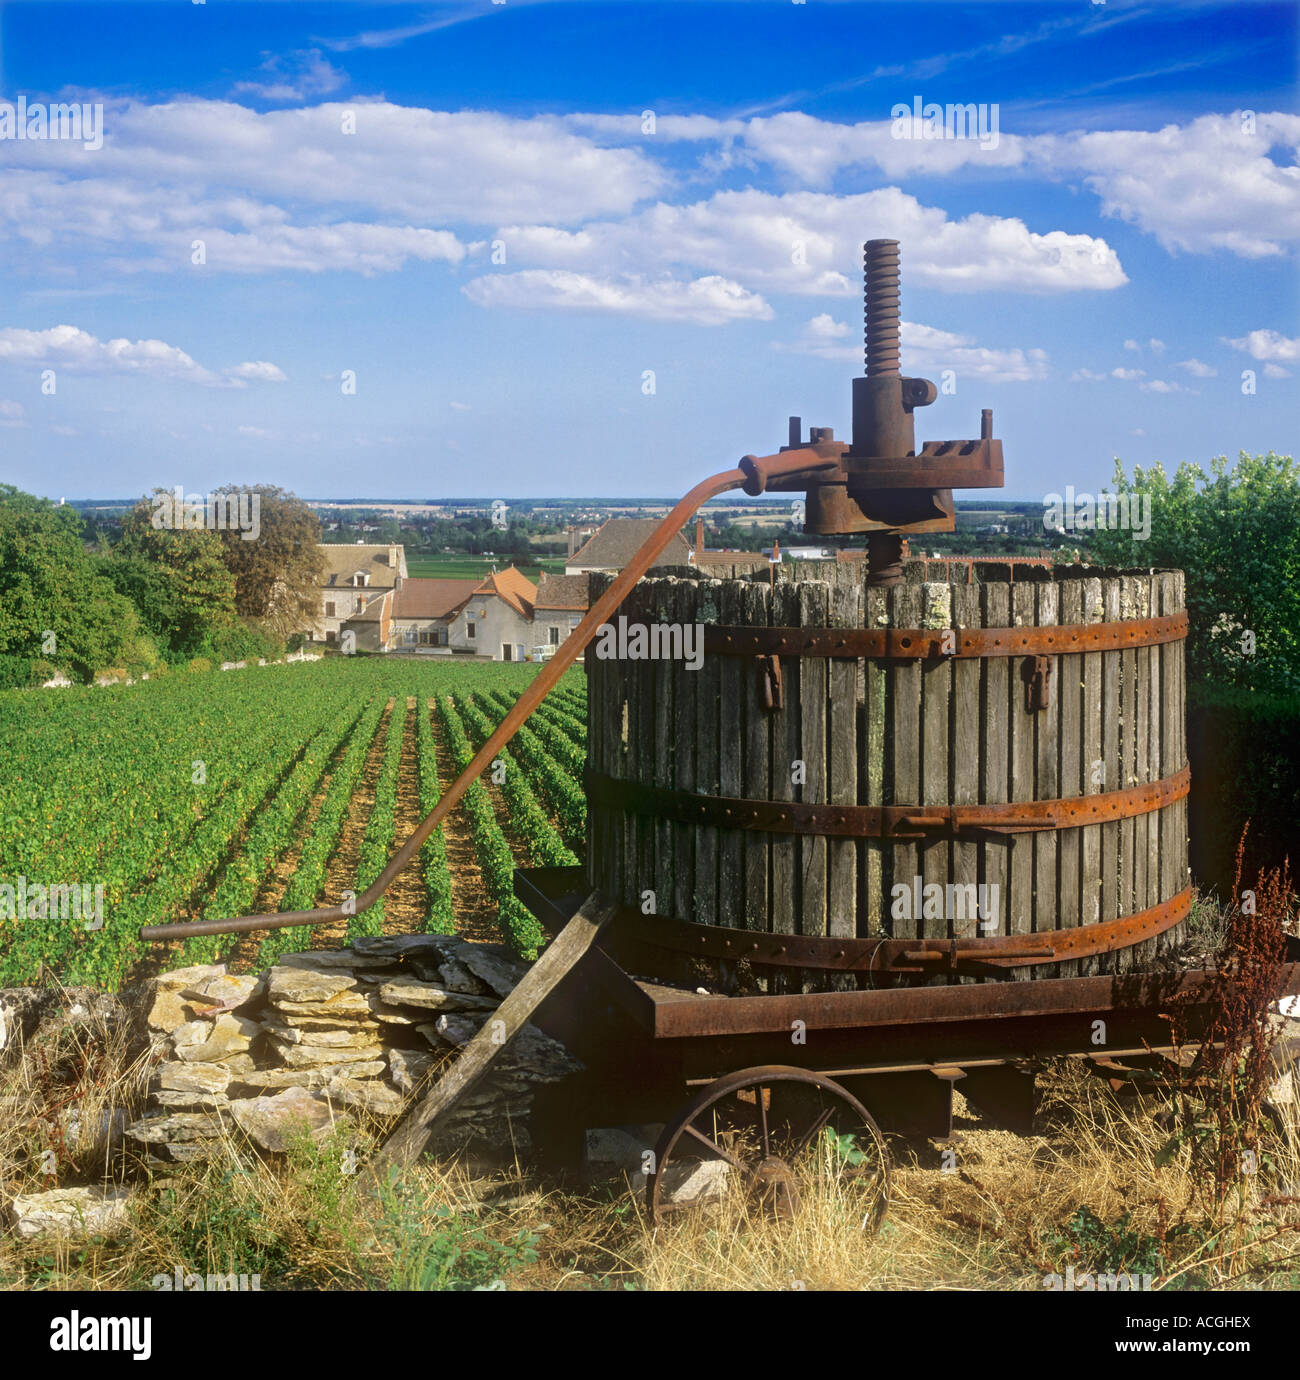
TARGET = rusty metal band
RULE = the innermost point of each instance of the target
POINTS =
(903, 955)
(882, 821)
(905, 643)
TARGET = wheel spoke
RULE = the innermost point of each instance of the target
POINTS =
(762, 1119)
(713, 1145)
(807, 1138)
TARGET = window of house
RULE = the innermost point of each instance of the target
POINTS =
(555, 637)
(330, 636)
(409, 637)
(329, 610)
(442, 637)
(469, 630)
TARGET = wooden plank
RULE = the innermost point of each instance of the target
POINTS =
(1144, 953)
(785, 752)
(1020, 897)
(1141, 758)
(1094, 767)
(963, 756)
(995, 772)
(707, 681)
(665, 738)
(814, 612)
(1047, 734)
(843, 713)
(684, 705)
(873, 908)
(1128, 695)
(407, 1142)
(904, 725)
(1171, 834)
(1068, 685)
(1112, 773)
(731, 842)
(756, 764)
(936, 707)
(633, 673)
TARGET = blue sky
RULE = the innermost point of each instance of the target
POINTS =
(505, 243)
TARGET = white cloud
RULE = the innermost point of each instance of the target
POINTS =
(708, 301)
(1163, 386)
(68, 347)
(295, 77)
(258, 370)
(1085, 376)
(1157, 347)
(259, 432)
(1267, 345)
(926, 350)
(459, 406)
(1132, 345)
(12, 413)
(1128, 375)
(1275, 371)
(1197, 368)
(810, 243)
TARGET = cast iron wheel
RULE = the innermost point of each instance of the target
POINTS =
(772, 1126)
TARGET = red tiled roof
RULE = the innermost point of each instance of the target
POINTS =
(568, 592)
(426, 598)
(517, 590)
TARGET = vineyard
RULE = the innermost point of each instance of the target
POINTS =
(276, 789)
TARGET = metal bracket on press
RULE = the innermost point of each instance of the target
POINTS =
(769, 674)
(1038, 683)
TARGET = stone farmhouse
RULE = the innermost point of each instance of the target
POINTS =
(355, 576)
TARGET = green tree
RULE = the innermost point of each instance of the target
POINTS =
(1236, 533)
(199, 603)
(55, 606)
(278, 571)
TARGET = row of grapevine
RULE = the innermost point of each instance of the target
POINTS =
(308, 881)
(269, 835)
(555, 783)
(530, 822)
(433, 856)
(574, 729)
(519, 927)
(377, 842)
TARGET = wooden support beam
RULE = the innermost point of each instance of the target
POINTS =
(408, 1141)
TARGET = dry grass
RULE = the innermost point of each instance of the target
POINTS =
(1097, 1188)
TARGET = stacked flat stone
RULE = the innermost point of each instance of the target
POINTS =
(325, 1035)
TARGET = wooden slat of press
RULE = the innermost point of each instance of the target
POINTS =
(1170, 751)
(756, 764)
(963, 753)
(731, 843)
(1094, 766)
(906, 602)
(785, 751)
(873, 917)
(844, 689)
(1124, 900)
(648, 719)
(1177, 653)
(936, 707)
(633, 676)
(995, 774)
(597, 714)
(686, 697)
(1068, 686)
(665, 738)
(708, 681)
(1155, 728)
(1111, 769)
(814, 676)
(615, 821)
(1141, 589)
(1047, 731)
(1020, 895)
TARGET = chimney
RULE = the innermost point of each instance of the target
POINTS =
(573, 539)
(699, 537)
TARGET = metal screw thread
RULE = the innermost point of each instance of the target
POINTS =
(881, 290)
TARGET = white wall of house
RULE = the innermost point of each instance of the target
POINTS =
(553, 626)
(419, 634)
(496, 626)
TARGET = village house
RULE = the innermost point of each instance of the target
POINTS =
(354, 576)
(497, 619)
(423, 611)
(561, 602)
(615, 543)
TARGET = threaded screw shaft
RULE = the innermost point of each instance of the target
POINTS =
(880, 276)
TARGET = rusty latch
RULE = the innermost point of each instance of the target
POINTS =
(769, 674)
(1038, 689)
